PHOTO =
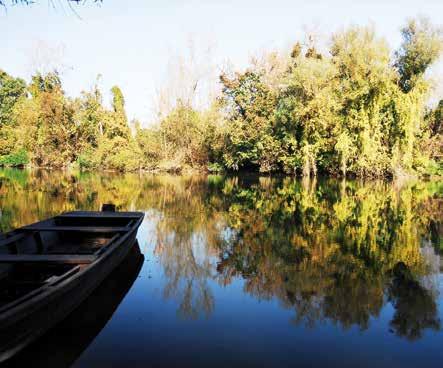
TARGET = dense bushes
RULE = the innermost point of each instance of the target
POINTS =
(15, 159)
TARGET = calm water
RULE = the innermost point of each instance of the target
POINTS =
(250, 272)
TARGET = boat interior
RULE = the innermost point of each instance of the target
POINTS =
(49, 251)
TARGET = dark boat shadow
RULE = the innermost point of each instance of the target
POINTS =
(62, 345)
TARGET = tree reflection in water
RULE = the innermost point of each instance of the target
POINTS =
(329, 250)
(186, 225)
(415, 306)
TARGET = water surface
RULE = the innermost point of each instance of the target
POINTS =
(250, 272)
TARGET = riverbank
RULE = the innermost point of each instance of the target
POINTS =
(188, 170)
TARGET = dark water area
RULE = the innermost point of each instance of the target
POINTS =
(250, 272)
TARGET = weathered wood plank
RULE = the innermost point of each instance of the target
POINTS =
(47, 258)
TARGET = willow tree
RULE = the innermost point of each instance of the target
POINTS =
(422, 45)
(365, 88)
(307, 111)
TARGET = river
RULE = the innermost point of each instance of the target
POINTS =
(250, 271)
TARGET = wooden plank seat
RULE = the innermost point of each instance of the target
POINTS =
(47, 258)
(84, 229)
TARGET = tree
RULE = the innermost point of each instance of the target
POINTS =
(90, 115)
(250, 106)
(149, 142)
(117, 123)
(11, 91)
(422, 45)
(366, 87)
(47, 119)
(306, 112)
(116, 147)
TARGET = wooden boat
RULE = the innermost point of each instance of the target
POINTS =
(48, 268)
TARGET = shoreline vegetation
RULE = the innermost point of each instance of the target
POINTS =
(355, 108)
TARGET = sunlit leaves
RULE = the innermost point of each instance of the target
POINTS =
(422, 45)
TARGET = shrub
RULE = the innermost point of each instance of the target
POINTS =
(215, 167)
(88, 160)
(15, 159)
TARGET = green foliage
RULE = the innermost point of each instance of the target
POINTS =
(58, 131)
(150, 145)
(184, 138)
(422, 45)
(119, 154)
(89, 116)
(15, 159)
(432, 140)
(11, 90)
(88, 160)
(250, 106)
(345, 148)
(47, 128)
(215, 167)
(183, 135)
(355, 112)
(116, 122)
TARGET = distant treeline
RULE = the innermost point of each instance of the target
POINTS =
(356, 109)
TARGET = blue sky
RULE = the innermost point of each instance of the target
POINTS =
(130, 42)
